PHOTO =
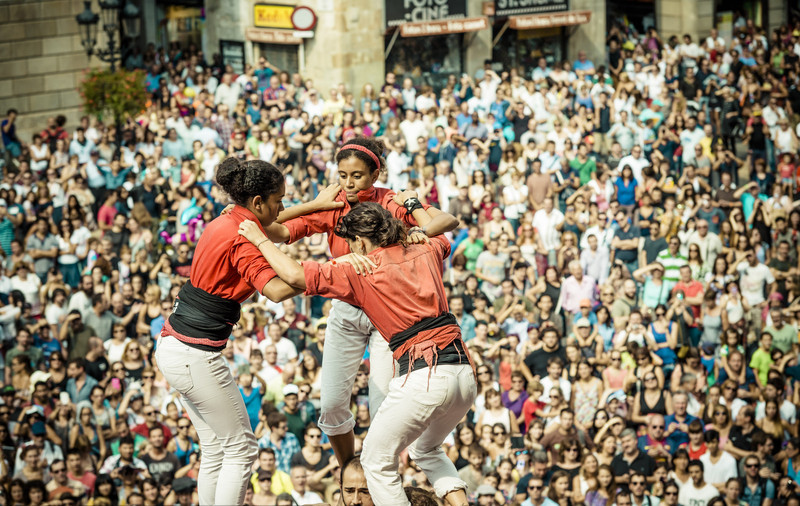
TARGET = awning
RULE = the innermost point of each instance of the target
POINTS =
(272, 36)
(444, 27)
(534, 21)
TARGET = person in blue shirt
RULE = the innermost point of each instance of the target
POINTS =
(9, 134)
(583, 66)
(677, 424)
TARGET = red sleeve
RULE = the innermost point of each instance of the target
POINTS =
(338, 281)
(251, 264)
(398, 211)
(441, 246)
(310, 224)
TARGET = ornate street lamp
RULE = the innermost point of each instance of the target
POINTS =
(114, 15)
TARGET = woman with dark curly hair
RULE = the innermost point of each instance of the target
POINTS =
(359, 163)
(226, 271)
(400, 289)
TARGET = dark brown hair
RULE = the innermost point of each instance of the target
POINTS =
(370, 221)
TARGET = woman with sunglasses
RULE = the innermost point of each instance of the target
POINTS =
(404, 297)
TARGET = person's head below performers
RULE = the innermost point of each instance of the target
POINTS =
(370, 226)
(255, 185)
(360, 161)
(353, 484)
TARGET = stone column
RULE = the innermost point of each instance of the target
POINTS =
(347, 46)
(589, 37)
(480, 43)
(679, 17)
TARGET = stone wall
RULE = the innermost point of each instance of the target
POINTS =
(41, 61)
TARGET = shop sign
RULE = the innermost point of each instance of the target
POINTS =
(549, 20)
(417, 11)
(503, 8)
(267, 36)
(232, 52)
(444, 27)
(273, 16)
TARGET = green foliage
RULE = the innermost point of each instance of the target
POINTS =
(121, 94)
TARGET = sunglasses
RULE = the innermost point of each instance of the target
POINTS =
(751, 466)
(535, 487)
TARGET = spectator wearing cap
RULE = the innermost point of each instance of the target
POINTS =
(280, 440)
(264, 495)
(485, 495)
(38, 438)
(296, 418)
(80, 384)
(184, 488)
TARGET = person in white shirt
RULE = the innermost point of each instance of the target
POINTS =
(398, 167)
(754, 278)
(696, 492)
(301, 494)
(412, 128)
(718, 466)
(547, 222)
(227, 92)
(488, 87)
(637, 162)
(287, 351)
(713, 40)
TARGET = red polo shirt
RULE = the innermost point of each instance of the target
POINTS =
(225, 263)
(326, 221)
(405, 287)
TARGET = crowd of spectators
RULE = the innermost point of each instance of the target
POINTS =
(625, 274)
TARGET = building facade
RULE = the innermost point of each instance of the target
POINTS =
(352, 42)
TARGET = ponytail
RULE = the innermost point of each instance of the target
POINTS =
(371, 221)
(244, 180)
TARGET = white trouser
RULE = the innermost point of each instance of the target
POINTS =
(420, 413)
(219, 416)
(349, 330)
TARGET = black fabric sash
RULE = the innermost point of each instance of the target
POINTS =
(433, 322)
(199, 314)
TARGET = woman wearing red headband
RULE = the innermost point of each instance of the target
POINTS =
(405, 297)
(359, 163)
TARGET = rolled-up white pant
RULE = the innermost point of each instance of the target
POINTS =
(420, 413)
(348, 333)
(219, 416)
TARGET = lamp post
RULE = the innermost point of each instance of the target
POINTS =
(118, 19)
(114, 15)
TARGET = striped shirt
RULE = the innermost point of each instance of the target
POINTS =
(672, 265)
